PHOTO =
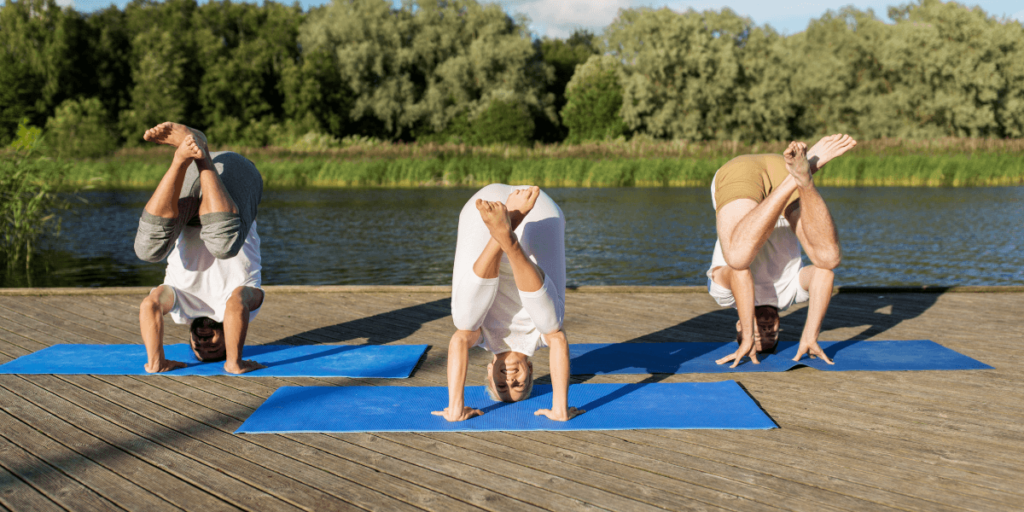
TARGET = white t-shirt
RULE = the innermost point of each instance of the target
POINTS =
(207, 282)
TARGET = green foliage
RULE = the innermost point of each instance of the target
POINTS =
(503, 122)
(29, 200)
(563, 56)
(594, 98)
(438, 71)
(426, 63)
(79, 128)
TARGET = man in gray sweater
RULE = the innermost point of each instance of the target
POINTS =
(202, 218)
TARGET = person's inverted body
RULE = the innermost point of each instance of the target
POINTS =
(767, 208)
(202, 218)
(508, 296)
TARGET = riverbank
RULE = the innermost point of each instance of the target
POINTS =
(981, 169)
(638, 163)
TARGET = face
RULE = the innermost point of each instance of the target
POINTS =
(207, 339)
(767, 334)
(511, 373)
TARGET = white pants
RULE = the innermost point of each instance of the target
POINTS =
(496, 305)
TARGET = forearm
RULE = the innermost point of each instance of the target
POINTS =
(742, 284)
(236, 325)
(559, 362)
(458, 360)
(152, 326)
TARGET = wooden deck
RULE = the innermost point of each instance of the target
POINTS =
(848, 441)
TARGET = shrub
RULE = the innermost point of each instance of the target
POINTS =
(79, 129)
(593, 99)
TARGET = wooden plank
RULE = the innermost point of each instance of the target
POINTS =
(15, 494)
(100, 480)
(57, 486)
(77, 407)
(176, 491)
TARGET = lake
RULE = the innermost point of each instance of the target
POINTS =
(614, 236)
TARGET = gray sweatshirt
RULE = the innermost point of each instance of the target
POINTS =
(222, 233)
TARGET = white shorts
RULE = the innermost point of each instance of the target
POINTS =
(188, 307)
(786, 294)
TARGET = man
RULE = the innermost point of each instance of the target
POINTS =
(767, 209)
(202, 218)
(508, 296)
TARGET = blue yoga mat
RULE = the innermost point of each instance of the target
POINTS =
(688, 405)
(699, 357)
(356, 361)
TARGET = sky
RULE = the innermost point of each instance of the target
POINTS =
(558, 18)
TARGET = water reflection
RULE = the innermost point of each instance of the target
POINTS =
(890, 236)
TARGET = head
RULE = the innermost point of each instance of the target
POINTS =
(207, 339)
(510, 377)
(766, 328)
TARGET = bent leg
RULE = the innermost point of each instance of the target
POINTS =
(151, 321)
(814, 227)
(243, 300)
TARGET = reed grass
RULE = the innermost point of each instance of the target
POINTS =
(639, 163)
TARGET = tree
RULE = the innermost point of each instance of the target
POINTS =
(594, 99)
(683, 70)
(79, 128)
(563, 56)
(428, 62)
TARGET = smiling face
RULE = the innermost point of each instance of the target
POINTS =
(510, 376)
(207, 339)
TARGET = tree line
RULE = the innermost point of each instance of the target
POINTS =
(465, 72)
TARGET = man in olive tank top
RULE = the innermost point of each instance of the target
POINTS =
(767, 208)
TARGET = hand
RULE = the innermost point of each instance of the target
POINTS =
(569, 414)
(465, 414)
(164, 365)
(812, 349)
(243, 366)
(747, 348)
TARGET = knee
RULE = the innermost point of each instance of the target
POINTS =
(236, 302)
(556, 339)
(151, 304)
(463, 339)
(223, 250)
(829, 259)
(737, 262)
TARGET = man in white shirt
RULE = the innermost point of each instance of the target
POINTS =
(508, 296)
(202, 218)
(767, 208)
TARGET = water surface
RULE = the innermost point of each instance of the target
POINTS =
(625, 236)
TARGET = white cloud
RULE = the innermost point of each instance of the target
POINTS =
(1019, 16)
(560, 18)
(66, 3)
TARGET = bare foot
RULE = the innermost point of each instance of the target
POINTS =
(189, 150)
(173, 134)
(828, 148)
(520, 202)
(796, 163)
(496, 219)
